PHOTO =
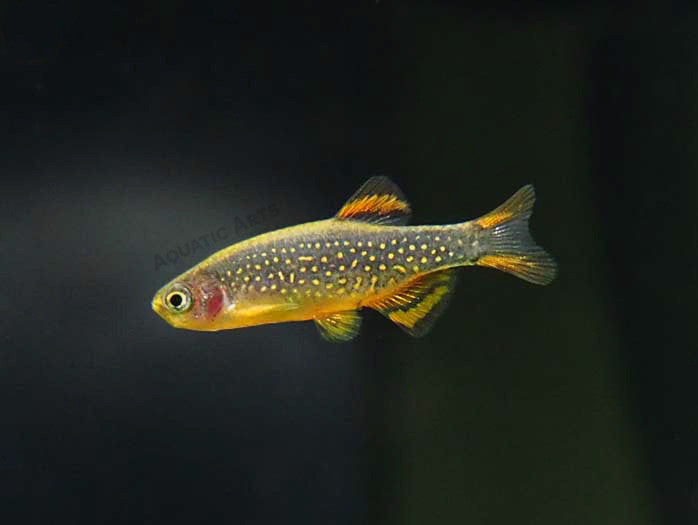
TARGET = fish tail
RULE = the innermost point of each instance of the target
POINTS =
(507, 241)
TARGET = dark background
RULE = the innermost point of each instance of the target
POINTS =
(130, 129)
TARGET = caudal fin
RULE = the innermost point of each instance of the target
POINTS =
(509, 246)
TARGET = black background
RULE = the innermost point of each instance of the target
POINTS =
(131, 129)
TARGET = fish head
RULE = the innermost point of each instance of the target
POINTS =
(193, 301)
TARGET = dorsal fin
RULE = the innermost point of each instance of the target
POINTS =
(416, 305)
(378, 201)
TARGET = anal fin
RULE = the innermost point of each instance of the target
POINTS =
(339, 326)
(416, 305)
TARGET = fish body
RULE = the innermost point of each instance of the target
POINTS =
(365, 256)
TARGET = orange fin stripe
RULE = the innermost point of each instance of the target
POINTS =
(410, 317)
(415, 306)
(518, 205)
(380, 204)
(537, 268)
(377, 201)
(493, 219)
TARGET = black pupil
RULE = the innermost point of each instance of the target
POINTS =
(176, 300)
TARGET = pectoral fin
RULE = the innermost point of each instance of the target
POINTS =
(267, 309)
(416, 306)
(339, 326)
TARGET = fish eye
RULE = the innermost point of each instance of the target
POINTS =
(178, 300)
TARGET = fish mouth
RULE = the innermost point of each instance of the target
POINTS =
(158, 308)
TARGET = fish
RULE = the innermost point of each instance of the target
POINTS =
(366, 256)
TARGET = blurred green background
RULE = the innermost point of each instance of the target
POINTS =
(134, 128)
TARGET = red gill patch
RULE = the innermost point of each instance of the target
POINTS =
(213, 301)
